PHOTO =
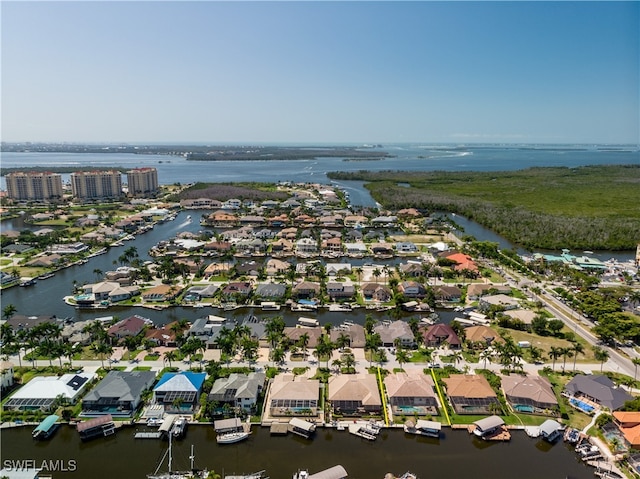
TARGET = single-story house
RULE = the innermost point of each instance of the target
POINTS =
(118, 394)
(399, 330)
(42, 391)
(411, 392)
(530, 394)
(354, 394)
(131, 326)
(598, 389)
(291, 395)
(440, 334)
(471, 394)
(376, 292)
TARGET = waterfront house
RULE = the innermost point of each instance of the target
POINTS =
(306, 290)
(482, 334)
(306, 246)
(449, 294)
(589, 392)
(338, 269)
(395, 332)
(119, 393)
(355, 333)
(340, 290)
(131, 326)
(208, 328)
(164, 335)
(628, 423)
(471, 394)
(276, 267)
(20, 322)
(282, 247)
(291, 395)
(355, 249)
(531, 394)
(238, 390)
(354, 394)
(270, 290)
(293, 334)
(439, 335)
(412, 269)
(221, 219)
(46, 261)
(247, 268)
(162, 292)
(463, 261)
(42, 392)
(411, 392)
(355, 221)
(237, 288)
(412, 289)
(382, 249)
(376, 292)
(200, 291)
(406, 247)
(179, 392)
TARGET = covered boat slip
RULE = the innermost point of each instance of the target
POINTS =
(228, 425)
(98, 427)
(335, 472)
(490, 428)
(301, 427)
(46, 428)
(424, 428)
(167, 424)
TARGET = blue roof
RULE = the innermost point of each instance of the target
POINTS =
(194, 378)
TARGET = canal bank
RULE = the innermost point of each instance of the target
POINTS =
(456, 455)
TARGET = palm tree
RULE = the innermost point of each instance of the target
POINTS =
(535, 353)
(485, 355)
(402, 357)
(98, 273)
(601, 355)
(636, 362)
(376, 274)
(348, 361)
(336, 364)
(303, 342)
(343, 341)
(578, 348)
(554, 354)
(566, 352)
(170, 356)
(8, 311)
(372, 344)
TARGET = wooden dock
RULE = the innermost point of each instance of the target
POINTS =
(279, 428)
(502, 434)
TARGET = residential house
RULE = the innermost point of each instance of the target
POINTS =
(355, 249)
(597, 389)
(162, 292)
(118, 394)
(340, 290)
(354, 394)
(411, 392)
(406, 247)
(291, 395)
(46, 261)
(238, 390)
(355, 333)
(383, 249)
(306, 246)
(306, 290)
(482, 334)
(628, 423)
(131, 326)
(376, 292)
(449, 294)
(471, 394)
(531, 394)
(476, 290)
(276, 267)
(440, 334)
(42, 392)
(412, 289)
(396, 332)
(237, 288)
(412, 269)
(293, 334)
(179, 392)
(163, 335)
(338, 269)
(501, 301)
(271, 291)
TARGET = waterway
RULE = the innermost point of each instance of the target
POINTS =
(457, 455)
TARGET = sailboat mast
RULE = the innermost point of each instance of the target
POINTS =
(192, 457)
(170, 450)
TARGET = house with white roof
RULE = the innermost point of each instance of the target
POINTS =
(42, 391)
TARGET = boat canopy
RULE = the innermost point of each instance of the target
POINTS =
(302, 424)
(47, 424)
(549, 427)
(489, 423)
(335, 472)
(428, 425)
(227, 424)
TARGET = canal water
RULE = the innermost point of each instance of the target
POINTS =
(457, 455)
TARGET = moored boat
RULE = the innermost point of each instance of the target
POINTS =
(232, 437)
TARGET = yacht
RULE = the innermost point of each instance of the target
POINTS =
(232, 437)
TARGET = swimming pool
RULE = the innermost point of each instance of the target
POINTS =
(583, 406)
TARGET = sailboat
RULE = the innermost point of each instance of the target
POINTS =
(193, 473)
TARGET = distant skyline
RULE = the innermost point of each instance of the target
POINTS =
(321, 72)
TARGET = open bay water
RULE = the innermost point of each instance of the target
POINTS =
(406, 157)
(457, 455)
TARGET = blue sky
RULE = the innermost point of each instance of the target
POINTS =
(321, 72)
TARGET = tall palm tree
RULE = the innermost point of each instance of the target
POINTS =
(402, 357)
(372, 344)
(303, 343)
(485, 355)
(170, 356)
(636, 362)
(8, 311)
(554, 354)
(343, 341)
(568, 351)
(578, 348)
(601, 355)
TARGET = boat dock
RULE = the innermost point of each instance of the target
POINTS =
(46, 427)
(501, 434)
(148, 435)
(279, 428)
